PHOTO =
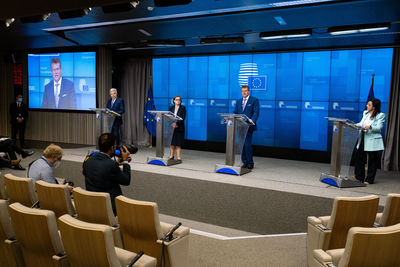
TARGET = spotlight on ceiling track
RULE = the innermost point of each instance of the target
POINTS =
(74, 13)
(123, 7)
(163, 3)
(166, 43)
(222, 40)
(285, 34)
(36, 18)
(351, 29)
(6, 22)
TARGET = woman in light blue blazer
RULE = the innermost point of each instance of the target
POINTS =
(369, 142)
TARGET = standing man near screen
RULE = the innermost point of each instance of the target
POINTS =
(250, 107)
(60, 92)
(19, 116)
(116, 104)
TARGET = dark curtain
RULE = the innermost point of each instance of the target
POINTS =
(390, 156)
(135, 81)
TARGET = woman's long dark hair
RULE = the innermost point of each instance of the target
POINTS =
(173, 100)
(376, 103)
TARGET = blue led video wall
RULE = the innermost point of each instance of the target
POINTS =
(62, 80)
(296, 91)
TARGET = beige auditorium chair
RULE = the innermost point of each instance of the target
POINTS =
(89, 244)
(366, 247)
(36, 231)
(10, 251)
(142, 230)
(95, 207)
(391, 212)
(3, 194)
(330, 232)
(20, 190)
(55, 197)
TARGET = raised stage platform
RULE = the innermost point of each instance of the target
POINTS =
(275, 198)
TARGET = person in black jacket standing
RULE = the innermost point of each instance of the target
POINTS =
(19, 116)
(179, 131)
(102, 174)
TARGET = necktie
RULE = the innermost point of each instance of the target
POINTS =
(112, 102)
(57, 94)
(243, 104)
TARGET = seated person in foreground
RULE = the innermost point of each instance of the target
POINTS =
(43, 168)
(102, 174)
(9, 163)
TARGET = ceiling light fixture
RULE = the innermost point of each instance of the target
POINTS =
(123, 7)
(36, 18)
(285, 34)
(144, 32)
(352, 29)
(166, 43)
(222, 40)
(7, 22)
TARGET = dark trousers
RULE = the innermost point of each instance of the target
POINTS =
(247, 152)
(18, 128)
(361, 159)
(115, 132)
(9, 147)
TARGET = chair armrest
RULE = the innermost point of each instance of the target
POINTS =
(16, 251)
(181, 231)
(61, 260)
(322, 257)
(177, 250)
(313, 220)
(318, 237)
(378, 217)
(117, 236)
(325, 220)
(336, 255)
(125, 257)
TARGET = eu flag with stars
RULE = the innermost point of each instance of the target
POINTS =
(149, 119)
(257, 82)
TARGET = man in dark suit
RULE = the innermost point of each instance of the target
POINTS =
(250, 107)
(116, 104)
(60, 92)
(19, 116)
(102, 174)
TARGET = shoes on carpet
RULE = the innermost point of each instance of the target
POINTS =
(19, 167)
(15, 162)
(27, 154)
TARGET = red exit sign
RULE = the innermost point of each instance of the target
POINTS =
(17, 74)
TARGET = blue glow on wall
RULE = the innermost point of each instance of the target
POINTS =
(296, 91)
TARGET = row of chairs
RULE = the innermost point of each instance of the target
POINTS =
(137, 227)
(355, 234)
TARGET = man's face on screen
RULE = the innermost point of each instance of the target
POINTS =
(113, 94)
(56, 71)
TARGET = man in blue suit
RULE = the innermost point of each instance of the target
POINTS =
(116, 104)
(250, 107)
(60, 92)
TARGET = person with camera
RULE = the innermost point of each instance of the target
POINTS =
(43, 168)
(102, 173)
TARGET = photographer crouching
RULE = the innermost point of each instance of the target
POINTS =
(102, 173)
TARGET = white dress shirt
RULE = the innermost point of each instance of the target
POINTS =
(57, 90)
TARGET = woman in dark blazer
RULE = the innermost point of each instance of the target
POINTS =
(179, 131)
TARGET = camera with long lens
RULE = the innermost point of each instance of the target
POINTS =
(131, 148)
